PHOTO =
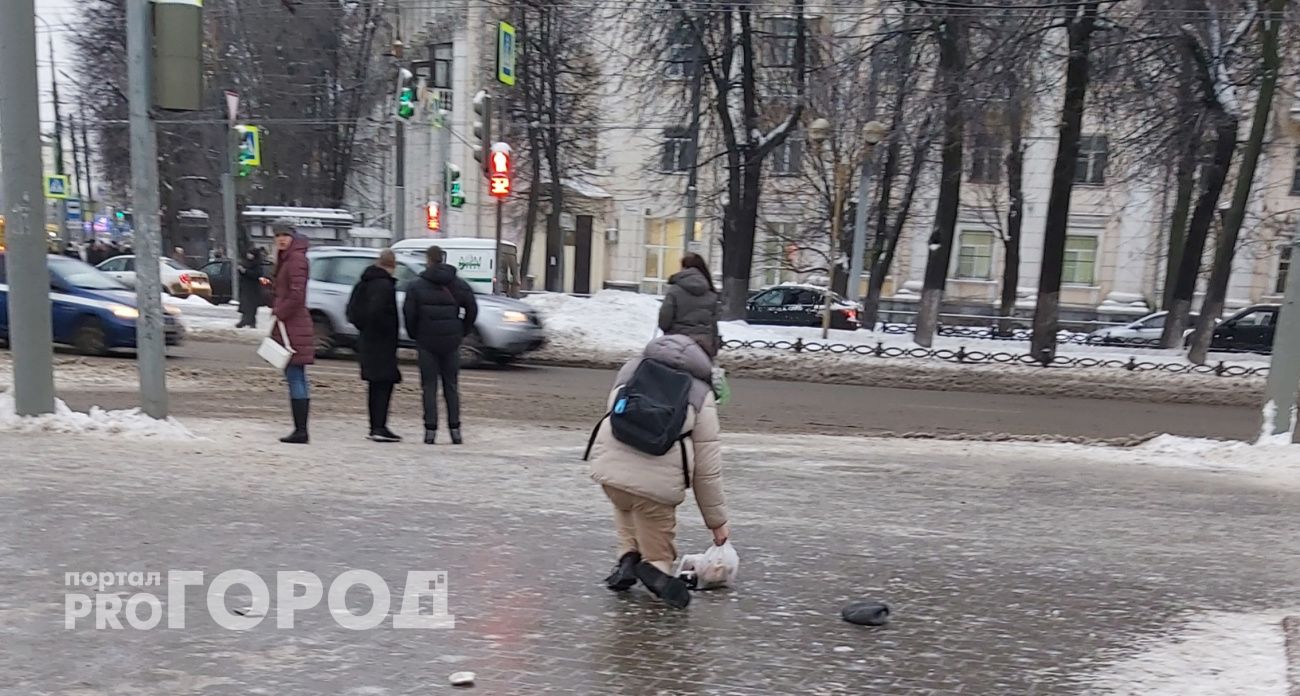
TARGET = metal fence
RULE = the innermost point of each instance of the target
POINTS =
(978, 357)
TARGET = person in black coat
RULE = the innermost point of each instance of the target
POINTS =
(440, 310)
(251, 282)
(372, 308)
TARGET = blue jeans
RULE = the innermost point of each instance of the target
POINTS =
(297, 376)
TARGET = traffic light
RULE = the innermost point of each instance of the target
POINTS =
(499, 170)
(482, 127)
(432, 216)
(455, 195)
(405, 95)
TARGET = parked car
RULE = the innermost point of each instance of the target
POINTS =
(1248, 331)
(505, 328)
(92, 311)
(800, 305)
(219, 276)
(177, 279)
(1144, 331)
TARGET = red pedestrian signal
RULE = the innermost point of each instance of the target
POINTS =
(499, 174)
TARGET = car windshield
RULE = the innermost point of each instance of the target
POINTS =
(78, 274)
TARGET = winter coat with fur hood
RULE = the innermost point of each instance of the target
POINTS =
(660, 479)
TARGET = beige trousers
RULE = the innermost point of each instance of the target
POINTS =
(646, 526)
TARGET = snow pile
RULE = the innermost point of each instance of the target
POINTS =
(192, 302)
(610, 321)
(129, 423)
(1213, 654)
(1271, 455)
(202, 317)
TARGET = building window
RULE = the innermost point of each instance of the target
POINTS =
(1295, 175)
(781, 41)
(787, 158)
(986, 159)
(663, 251)
(975, 256)
(676, 150)
(1090, 167)
(1283, 268)
(1080, 266)
(772, 254)
(442, 62)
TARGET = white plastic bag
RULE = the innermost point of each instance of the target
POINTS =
(716, 567)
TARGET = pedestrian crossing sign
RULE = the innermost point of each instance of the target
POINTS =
(56, 186)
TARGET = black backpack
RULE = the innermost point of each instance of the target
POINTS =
(650, 411)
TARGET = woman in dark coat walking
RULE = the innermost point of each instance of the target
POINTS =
(690, 307)
(290, 309)
(372, 308)
(250, 288)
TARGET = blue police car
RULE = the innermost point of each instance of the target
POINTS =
(92, 311)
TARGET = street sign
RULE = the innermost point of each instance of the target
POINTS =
(505, 54)
(72, 207)
(250, 146)
(56, 186)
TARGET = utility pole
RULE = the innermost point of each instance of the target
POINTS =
(62, 215)
(1284, 365)
(24, 211)
(87, 205)
(151, 348)
(76, 170)
(693, 151)
(399, 183)
(229, 210)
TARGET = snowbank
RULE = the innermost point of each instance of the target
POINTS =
(193, 301)
(612, 325)
(130, 423)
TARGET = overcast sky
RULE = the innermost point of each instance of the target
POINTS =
(61, 16)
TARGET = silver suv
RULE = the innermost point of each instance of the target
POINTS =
(505, 328)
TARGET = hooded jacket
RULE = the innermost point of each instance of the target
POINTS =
(623, 467)
(372, 308)
(690, 308)
(289, 288)
(433, 309)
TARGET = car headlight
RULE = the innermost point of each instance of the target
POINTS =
(124, 312)
(514, 317)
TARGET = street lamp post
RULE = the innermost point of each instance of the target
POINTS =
(819, 131)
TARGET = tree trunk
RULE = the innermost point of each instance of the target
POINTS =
(1047, 311)
(1213, 178)
(555, 272)
(1226, 249)
(1178, 223)
(951, 67)
(532, 106)
(880, 271)
(1015, 203)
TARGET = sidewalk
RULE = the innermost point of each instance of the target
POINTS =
(1011, 569)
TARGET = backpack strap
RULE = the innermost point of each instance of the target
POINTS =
(686, 466)
(594, 431)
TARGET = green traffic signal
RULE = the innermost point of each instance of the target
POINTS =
(406, 103)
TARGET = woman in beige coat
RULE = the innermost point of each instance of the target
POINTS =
(646, 490)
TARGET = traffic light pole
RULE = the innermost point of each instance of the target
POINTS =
(151, 350)
(24, 211)
(399, 188)
(229, 210)
(58, 144)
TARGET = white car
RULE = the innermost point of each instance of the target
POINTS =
(177, 280)
(1144, 331)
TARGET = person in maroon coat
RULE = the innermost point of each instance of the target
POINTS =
(289, 307)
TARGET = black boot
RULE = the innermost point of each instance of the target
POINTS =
(624, 575)
(300, 407)
(455, 436)
(430, 436)
(384, 435)
(671, 590)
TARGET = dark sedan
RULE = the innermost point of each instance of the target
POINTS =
(800, 305)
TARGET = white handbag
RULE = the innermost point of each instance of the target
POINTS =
(274, 353)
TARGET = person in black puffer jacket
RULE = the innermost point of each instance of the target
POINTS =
(372, 308)
(690, 307)
(440, 310)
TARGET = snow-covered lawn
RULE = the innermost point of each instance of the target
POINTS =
(620, 323)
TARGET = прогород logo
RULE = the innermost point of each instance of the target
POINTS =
(422, 604)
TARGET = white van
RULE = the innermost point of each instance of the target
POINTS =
(474, 262)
